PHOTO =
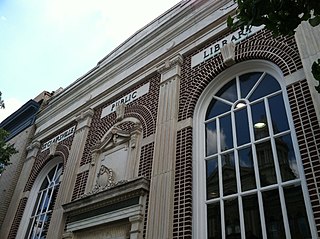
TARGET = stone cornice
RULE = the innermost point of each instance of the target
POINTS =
(138, 58)
(122, 192)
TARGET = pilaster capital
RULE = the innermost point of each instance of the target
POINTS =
(84, 118)
(170, 68)
(33, 149)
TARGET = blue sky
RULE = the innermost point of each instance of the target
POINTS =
(47, 44)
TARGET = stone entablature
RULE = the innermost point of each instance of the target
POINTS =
(125, 202)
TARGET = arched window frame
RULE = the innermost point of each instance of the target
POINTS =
(199, 143)
(22, 231)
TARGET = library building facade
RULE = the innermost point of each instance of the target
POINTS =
(185, 130)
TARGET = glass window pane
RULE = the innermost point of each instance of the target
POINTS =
(216, 108)
(44, 184)
(287, 159)
(251, 217)
(232, 221)
(228, 91)
(52, 172)
(298, 220)
(211, 138)
(248, 180)
(273, 214)
(247, 81)
(242, 126)
(266, 164)
(214, 221)
(267, 86)
(278, 114)
(228, 174)
(259, 119)
(226, 136)
(212, 178)
(39, 222)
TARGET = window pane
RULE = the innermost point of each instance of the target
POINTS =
(212, 178)
(286, 158)
(232, 221)
(273, 215)
(266, 164)
(228, 174)
(259, 119)
(211, 138)
(46, 200)
(298, 220)
(248, 180)
(216, 108)
(39, 222)
(278, 114)
(267, 86)
(228, 91)
(242, 126)
(214, 221)
(45, 183)
(226, 135)
(247, 81)
(251, 217)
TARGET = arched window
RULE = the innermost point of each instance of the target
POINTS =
(36, 219)
(249, 181)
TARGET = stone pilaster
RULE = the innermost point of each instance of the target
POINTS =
(32, 151)
(160, 215)
(136, 227)
(69, 176)
(307, 38)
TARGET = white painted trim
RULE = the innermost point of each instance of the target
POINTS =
(33, 196)
(199, 172)
(105, 218)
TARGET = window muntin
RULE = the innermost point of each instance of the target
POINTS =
(41, 214)
(250, 160)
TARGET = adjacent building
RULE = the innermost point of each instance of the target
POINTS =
(185, 130)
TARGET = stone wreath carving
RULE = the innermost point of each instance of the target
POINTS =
(105, 180)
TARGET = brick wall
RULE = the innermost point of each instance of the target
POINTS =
(144, 109)
(41, 159)
(17, 218)
(308, 136)
(9, 178)
(283, 52)
(182, 219)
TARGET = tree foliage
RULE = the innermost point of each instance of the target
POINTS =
(6, 149)
(279, 16)
(316, 73)
(1, 102)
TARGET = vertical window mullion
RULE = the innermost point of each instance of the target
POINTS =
(32, 220)
(257, 176)
(223, 226)
(237, 167)
(277, 168)
(223, 233)
(50, 198)
(253, 148)
(39, 202)
(262, 217)
(43, 203)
